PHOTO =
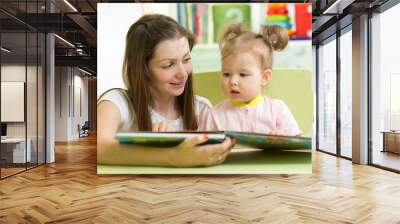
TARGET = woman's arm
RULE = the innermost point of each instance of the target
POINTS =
(187, 154)
(109, 151)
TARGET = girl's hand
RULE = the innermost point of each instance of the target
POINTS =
(162, 127)
(276, 132)
(189, 154)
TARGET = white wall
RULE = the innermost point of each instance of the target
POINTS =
(33, 126)
(70, 83)
(61, 103)
(83, 84)
(12, 101)
(12, 73)
(80, 113)
(113, 22)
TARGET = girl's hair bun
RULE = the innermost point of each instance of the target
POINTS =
(276, 36)
(232, 31)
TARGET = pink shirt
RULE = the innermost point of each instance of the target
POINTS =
(262, 115)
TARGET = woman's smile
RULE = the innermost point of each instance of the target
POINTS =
(178, 85)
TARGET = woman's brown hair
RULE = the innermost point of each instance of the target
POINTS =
(141, 41)
(237, 38)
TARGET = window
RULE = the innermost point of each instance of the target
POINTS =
(385, 85)
(22, 65)
(327, 96)
(346, 93)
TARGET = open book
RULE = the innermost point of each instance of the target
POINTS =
(256, 140)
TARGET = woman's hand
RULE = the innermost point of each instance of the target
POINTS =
(162, 127)
(189, 154)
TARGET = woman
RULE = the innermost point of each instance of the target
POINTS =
(159, 97)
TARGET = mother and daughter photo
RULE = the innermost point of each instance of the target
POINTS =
(159, 94)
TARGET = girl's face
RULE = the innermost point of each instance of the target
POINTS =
(170, 67)
(242, 76)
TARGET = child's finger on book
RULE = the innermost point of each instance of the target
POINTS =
(162, 126)
(155, 127)
(272, 132)
(276, 132)
(170, 129)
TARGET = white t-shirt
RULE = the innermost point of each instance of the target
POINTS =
(118, 98)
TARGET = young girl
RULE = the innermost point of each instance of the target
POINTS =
(159, 97)
(246, 59)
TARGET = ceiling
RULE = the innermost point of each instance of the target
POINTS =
(76, 22)
(333, 15)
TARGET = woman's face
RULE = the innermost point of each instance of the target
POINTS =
(170, 67)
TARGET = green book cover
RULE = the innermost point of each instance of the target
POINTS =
(256, 140)
(166, 139)
(263, 141)
(225, 14)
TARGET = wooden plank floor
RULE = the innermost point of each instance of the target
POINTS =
(10, 171)
(70, 191)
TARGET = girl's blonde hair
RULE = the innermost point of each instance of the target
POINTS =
(237, 39)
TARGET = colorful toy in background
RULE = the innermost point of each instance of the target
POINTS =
(278, 14)
(206, 21)
(303, 20)
(196, 18)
